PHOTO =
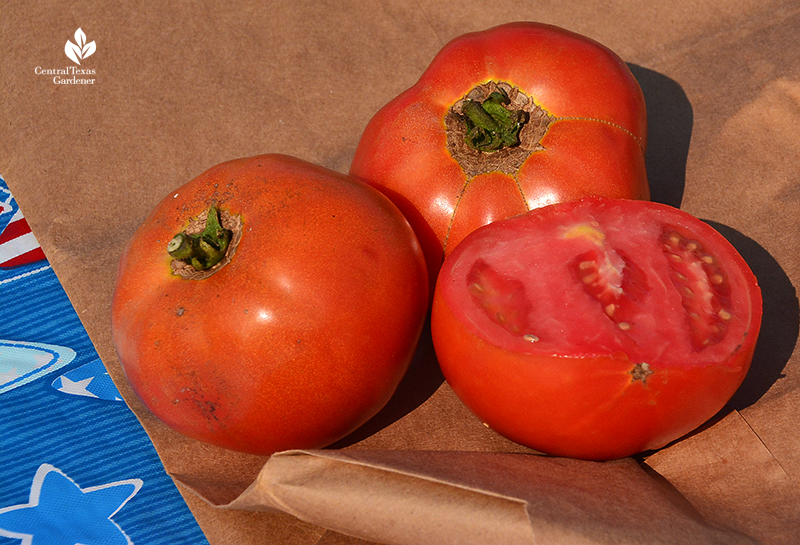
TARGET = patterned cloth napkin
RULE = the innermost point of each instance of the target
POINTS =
(77, 467)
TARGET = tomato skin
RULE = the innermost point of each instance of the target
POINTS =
(301, 337)
(562, 397)
(596, 144)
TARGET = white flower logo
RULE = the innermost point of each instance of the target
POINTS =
(80, 49)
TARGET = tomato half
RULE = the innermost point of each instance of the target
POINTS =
(503, 121)
(299, 334)
(597, 328)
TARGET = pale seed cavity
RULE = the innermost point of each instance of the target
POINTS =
(702, 286)
(501, 297)
(606, 274)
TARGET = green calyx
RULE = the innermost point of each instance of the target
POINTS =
(491, 125)
(205, 249)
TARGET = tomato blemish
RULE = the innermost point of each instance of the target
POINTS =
(641, 371)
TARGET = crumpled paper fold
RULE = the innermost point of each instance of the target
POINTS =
(465, 498)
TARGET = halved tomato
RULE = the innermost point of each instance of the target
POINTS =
(597, 328)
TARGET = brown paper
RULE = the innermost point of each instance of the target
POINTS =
(731, 475)
(410, 497)
(181, 87)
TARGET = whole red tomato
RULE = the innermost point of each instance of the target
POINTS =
(303, 329)
(596, 328)
(504, 121)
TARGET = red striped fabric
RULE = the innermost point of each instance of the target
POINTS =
(18, 246)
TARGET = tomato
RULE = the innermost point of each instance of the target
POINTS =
(597, 328)
(503, 121)
(299, 334)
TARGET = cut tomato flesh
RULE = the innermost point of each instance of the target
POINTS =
(585, 281)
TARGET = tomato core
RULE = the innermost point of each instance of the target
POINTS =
(491, 125)
(495, 127)
(206, 245)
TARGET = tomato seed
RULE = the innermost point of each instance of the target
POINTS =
(624, 326)
(476, 287)
(590, 278)
(530, 337)
(724, 314)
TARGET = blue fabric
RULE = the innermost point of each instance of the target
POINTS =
(77, 467)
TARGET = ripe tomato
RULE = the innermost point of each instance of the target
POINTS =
(504, 121)
(299, 335)
(596, 328)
